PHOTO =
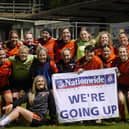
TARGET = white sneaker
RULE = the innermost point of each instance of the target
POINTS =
(1, 125)
(3, 117)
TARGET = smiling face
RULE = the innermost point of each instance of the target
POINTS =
(106, 52)
(84, 35)
(123, 54)
(66, 56)
(123, 39)
(104, 39)
(45, 35)
(23, 53)
(40, 83)
(89, 55)
(66, 35)
(42, 56)
(29, 38)
(14, 38)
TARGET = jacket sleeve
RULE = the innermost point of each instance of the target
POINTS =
(33, 68)
(53, 66)
(20, 101)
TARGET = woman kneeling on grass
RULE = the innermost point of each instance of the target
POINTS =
(39, 101)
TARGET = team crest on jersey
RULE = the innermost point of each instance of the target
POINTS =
(43, 94)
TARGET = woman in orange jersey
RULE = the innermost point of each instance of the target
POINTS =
(47, 41)
(64, 42)
(5, 71)
(122, 63)
(107, 56)
(104, 38)
(12, 45)
(89, 61)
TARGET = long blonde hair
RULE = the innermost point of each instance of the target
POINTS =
(32, 94)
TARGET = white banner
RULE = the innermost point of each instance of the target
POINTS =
(86, 96)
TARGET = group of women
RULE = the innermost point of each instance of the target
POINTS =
(26, 69)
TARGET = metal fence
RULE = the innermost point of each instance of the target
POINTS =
(21, 7)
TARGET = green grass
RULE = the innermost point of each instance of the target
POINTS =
(105, 125)
(115, 124)
(109, 125)
(118, 126)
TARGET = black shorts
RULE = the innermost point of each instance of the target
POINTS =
(123, 87)
(38, 120)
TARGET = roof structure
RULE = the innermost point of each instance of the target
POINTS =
(108, 11)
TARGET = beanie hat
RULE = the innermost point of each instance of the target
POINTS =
(48, 30)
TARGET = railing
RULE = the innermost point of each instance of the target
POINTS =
(20, 8)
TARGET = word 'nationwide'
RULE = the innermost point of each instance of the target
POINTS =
(85, 81)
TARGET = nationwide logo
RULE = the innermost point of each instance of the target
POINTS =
(85, 81)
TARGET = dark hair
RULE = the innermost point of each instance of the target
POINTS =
(48, 30)
(123, 32)
(89, 48)
(61, 31)
(13, 32)
(105, 46)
